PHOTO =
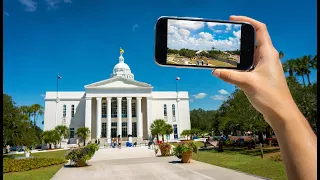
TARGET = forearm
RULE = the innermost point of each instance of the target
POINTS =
(297, 141)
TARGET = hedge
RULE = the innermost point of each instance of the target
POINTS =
(17, 165)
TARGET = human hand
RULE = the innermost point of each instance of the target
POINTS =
(265, 86)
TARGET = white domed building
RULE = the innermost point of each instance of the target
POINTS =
(116, 106)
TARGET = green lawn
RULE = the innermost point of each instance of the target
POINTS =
(241, 159)
(42, 173)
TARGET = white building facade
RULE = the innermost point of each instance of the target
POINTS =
(116, 106)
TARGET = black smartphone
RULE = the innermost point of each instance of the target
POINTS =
(204, 43)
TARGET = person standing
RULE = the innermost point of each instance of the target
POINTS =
(119, 141)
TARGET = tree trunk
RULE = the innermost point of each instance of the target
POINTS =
(84, 142)
(260, 136)
(291, 72)
(304, 84)
(308, 76)
(162, 138)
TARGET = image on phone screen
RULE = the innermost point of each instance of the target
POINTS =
(198, 43)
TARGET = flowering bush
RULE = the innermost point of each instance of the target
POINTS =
(17, 165)
(81, 155)
(165, 149)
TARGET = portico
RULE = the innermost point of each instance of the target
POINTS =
(114, 116)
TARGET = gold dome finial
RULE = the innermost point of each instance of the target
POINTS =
(121, 51)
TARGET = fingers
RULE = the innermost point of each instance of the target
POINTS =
(262, 35)
(237, 78)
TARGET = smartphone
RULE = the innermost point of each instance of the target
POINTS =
(204, 43)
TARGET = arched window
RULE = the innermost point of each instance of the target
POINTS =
(165, 110)
(64, 110)
(124, 108)
(173, 110)
(72, 110)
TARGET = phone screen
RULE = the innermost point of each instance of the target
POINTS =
(205, 44)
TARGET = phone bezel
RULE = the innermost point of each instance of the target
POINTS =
(246, 45)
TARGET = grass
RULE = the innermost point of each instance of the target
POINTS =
(248, 161)
(42, 173)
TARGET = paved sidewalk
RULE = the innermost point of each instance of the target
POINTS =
(141, 163)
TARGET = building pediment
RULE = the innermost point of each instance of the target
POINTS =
(118, 82)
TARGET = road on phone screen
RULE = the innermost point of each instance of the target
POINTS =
(140, 163)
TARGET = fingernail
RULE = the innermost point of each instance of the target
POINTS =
(216, 73)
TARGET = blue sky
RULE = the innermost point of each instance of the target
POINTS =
(80, 39)
(198, 35)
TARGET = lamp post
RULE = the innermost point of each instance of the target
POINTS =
(178, 115)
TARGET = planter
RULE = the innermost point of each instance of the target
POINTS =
(80, 163)
(27, 154)
(165, 149)
(186, 157)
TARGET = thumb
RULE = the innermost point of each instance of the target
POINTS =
(231, 76)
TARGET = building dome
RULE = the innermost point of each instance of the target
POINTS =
(122, 69)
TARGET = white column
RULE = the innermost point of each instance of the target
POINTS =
(149, 114)
(98, 117)
(139, 118)
(119, 117)
(129, 118)
(88, 115)
(109, 119)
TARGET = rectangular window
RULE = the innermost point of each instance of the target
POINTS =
(124, 129)
(124, 107)
(72, 110)
(71, 132)
(133, 108)
(104, 110)
(114, 124)
(113, 107)
(134, 129)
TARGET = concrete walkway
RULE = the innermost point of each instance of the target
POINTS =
(141, 163)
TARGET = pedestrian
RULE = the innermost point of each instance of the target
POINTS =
(119, 141)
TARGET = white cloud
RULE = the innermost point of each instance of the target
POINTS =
(223, 92)
(218, 31)
(134, 27)
(7, 14)
(228, 27)
(200, 95)
(206, 36)
(52, 4)
(184, 32)
(67, 1)
(237, 34)
(191, 100)
(42, 95)
(190, 25)
(30, 5)
(219, 97)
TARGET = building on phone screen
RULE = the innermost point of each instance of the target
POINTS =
(116, 106)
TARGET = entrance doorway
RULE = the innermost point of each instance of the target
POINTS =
(113, 129)
(104, 130)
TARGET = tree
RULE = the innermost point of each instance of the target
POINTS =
(158, 128)
(62, 131)
(289, 66)
(83, 133)
(36, 110)
(168, 129)
(185, 133)
(50, 137)
(281, 55)
(300, 69)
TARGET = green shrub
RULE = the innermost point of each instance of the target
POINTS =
(184, 147)
(82, 154)
(17, 165)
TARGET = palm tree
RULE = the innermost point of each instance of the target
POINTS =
(306, 64)
(313, 62)
(300, 69)
(36, 110)
(62, 131)
(289, 66)
(168, 129)
(281, 55)
(49, 137)
(83, 133)
(157, 128)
